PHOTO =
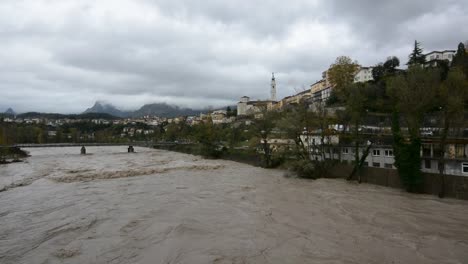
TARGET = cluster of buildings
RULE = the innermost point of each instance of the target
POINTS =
(380, 154)
(320, 91)
(132, 132)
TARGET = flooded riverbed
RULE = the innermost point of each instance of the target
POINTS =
(155, 206)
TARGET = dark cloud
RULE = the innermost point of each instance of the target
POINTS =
(63, 55)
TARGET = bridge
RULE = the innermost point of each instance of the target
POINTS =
(59, 145)
(62, 145)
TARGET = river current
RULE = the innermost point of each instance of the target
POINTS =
(157, 206)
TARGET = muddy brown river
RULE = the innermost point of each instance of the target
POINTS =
(156, 206)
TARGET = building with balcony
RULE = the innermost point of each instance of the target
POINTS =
(435, 57)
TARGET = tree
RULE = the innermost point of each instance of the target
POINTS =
(391, 64)
(460, 60)
(417, 56)
(311, 134)
(452, 96)
(388, 68)
(415, 95)
(341, 75)
(262, 129)
(294, 123)
(412, 96)
(208, 136)
(378, 72)
(356, 106)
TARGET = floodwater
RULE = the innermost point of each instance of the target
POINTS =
(156, 206)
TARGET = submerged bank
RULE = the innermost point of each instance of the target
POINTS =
(239, 155)
(455, 186)
(156, 206)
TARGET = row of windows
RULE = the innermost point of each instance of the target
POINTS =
(449, 56)
(388, 152)
(464, 166)
(437, 152)
(428, 165)
(375, 152)
(378, 165)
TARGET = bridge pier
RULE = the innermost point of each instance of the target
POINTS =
(131, 149)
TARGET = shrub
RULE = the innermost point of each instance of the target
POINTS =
(309, 169)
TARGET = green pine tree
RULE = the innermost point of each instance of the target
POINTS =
(460, 60)
(417, 56)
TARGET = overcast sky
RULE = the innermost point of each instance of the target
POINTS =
(62, 55)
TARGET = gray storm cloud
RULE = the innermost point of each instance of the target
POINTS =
(61, 56)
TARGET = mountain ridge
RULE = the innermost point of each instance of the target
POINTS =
(10, 111)
(154, 109)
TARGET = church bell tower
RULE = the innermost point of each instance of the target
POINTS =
(273, 87)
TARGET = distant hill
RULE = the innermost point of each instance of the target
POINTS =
(164, 110)
(156, 109)
(101, 107)
(72, 116)
(10, 111)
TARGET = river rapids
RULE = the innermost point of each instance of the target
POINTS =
(157, 206)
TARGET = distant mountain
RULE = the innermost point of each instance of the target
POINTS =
(10, 111)
(164, 110)
(106, 108)
(156, 109)
(87, 116)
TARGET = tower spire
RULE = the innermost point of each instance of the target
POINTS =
(273, 87)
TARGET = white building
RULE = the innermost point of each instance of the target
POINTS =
(364, 75)
(432, 58)
(242, 106)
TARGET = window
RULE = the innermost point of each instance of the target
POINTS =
(388, 165)
(389, 153)
(366, 164)
(437, 151)
(426, 150)
(376, 152)
(376, 164)
(459, 151)
(345, 150)
(465, 168)
(427, 164)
